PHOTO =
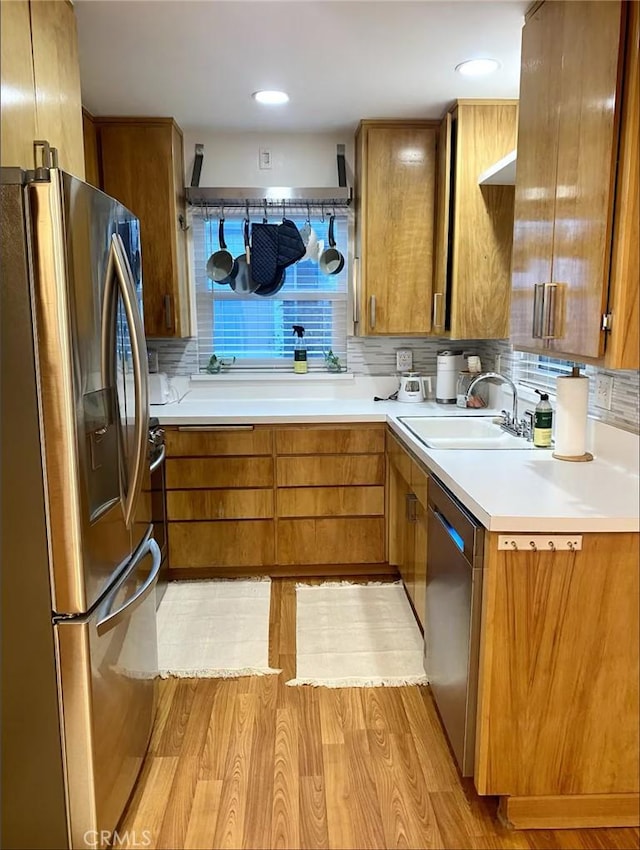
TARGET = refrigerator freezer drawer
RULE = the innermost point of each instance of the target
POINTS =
(107, 664)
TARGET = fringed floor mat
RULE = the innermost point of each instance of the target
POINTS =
(356, 635)
(212, 629)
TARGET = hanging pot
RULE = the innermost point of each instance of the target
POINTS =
(243, 282)
(221, 265)
(331, 260)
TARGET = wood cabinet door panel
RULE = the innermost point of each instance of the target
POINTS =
(330, 470)
(56, 72)
(257, 441)
(483, 223)
(623, 344)
(137, 169)
(397, 204)
(214, 472)
(538, 122)
(242, 543)
(419, 553)
(442, 228)
(18, 125)
(559, 670)
(330, 541)
(219, 504)
(330, 440)
(587, 135)
(330, 501)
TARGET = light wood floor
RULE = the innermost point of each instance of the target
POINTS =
(250, 763)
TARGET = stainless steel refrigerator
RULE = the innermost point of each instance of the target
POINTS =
(79, 565)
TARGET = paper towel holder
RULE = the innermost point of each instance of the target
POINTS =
(587, 456)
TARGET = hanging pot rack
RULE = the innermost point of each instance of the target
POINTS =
(273, 198)
(270, 198)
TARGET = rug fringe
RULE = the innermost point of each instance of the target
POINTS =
(218, 674)
(347, 583)
(217, 580)
(355, 682)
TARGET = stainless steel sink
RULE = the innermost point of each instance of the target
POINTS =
(463, 432)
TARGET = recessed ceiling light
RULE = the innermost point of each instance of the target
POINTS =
(477, 67)
(272, 98)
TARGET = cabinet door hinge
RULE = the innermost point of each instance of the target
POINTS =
(606, 321)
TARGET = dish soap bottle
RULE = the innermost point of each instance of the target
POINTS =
(300, 352)
(542, 422)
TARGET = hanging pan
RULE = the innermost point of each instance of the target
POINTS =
(243, 282)
(331, 260)
(221, 266)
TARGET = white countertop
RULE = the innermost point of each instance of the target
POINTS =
(507, 490)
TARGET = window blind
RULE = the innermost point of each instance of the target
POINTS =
(257, 330)
(541, 372)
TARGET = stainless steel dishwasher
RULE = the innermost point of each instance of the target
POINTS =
(455, 545)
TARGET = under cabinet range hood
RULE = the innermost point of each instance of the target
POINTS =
(272, 196)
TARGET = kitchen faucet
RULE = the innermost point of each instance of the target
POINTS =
(510, 423)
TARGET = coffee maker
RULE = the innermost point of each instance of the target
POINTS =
(448, 364)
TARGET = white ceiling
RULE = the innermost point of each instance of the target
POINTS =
(339, 60)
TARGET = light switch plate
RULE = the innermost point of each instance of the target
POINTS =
(404, 359)
(264, 159)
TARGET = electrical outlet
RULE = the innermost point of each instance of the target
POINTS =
(404, 359)
(152, 360)
(604, 391)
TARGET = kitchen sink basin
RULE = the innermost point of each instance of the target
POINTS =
(463, 432)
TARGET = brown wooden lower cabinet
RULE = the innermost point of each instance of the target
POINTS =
(249, 498)
(219, 504)
(407, 484)
(228, 543)
(330, 501)
(345, 540)
(559, 668)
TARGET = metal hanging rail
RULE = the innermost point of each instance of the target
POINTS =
(338, 196)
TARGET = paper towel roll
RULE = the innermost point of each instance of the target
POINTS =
(572, 402)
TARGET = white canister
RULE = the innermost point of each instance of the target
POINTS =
(448, 364)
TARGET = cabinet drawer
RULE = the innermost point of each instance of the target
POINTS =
(219, 504)
(312, 441)
(331, 541)
(211, 472)
(330, 501)
(219, 442)
(330, 470)
(241, 543)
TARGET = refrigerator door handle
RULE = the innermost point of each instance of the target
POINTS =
(110, 619)
(118, 268)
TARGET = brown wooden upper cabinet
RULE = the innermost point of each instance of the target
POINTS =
(141, 164)
(395, 193)
(40, 83)
(578, 114)
(474, 222)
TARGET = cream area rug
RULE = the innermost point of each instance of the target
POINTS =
(214, 629)
(356, 635)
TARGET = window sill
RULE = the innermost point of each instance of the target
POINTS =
(273, 377)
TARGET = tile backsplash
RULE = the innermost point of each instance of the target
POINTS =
(625, 401)
(367, 356)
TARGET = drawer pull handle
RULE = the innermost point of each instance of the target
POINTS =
(188, 428)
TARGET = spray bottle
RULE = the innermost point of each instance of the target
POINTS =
(300, 351)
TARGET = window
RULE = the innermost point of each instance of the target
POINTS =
(541, 372)
(257, 330)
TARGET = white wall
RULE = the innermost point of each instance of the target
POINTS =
(298, 159)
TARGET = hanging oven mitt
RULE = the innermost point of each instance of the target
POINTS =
(291, 248)
(264, 253)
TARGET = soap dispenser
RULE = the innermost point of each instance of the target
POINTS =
(542, 422)
(300, 351)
